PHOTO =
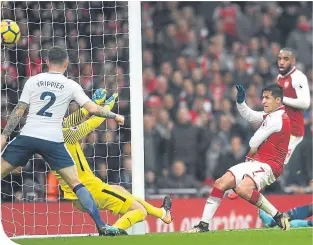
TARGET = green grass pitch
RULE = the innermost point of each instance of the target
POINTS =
(238, 237)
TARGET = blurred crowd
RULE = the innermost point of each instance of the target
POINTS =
(193, 55)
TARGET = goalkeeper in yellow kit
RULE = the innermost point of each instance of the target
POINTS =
(107, 197)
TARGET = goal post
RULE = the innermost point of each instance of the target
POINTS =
(136, 104)
(103, 40)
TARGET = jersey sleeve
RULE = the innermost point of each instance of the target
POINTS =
(79, 95)
(75, 134)
(269, 126)
(75, 118)
(301, 86)
(25, 96)
(250, 115)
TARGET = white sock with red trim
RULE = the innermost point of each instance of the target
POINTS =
(261, 202)
(211, 205)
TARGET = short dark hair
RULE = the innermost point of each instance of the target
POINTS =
(292, 52)
(276, 89)
(57, 55)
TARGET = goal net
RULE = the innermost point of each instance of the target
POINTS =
(95, 35)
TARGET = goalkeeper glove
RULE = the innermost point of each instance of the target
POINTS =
(99, 96)
(110, 102)
(241, 94)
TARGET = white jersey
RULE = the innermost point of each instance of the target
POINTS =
(49, 95)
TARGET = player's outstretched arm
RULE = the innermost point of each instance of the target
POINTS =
(14, 119)
(99, 111)
(76, 117)
(302, 89)
(83, 100)
(245, 111)
(73, 135)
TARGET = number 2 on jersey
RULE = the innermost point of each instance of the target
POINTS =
(42, 111)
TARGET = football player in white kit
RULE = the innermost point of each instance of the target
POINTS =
(48, 95)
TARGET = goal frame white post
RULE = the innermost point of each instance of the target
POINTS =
(136, 105)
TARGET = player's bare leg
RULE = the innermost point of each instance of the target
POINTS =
(163, 213)
(247, 190)
(221, 185)
(70, 176)
(6, 168)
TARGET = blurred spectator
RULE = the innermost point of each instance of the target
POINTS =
(161, 87)
(147, 59)
(102, 171)
(151, 143)
(164, 130)
(176, 84)
(170, 45)
(300, 39)
(126, 174)
(33, 61)
(184, 137)
(268, 31)
(170, 106)
(151, 185)
(149, 81)
(235, 154)
(240, 74)
(179, 178)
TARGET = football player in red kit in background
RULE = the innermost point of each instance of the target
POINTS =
(296, 98)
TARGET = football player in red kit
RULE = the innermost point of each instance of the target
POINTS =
(265, 161)
(296, 96)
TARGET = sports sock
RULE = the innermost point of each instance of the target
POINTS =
(211, 205)
(129, 219)
(87, 202)
(301, 212)
(261, 202)
(300, 223)
(151, 210)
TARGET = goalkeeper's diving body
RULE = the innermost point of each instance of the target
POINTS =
(107, 197)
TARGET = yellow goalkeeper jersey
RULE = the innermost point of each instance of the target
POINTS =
(74, 132)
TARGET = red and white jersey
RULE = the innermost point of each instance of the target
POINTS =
(271, 139)
(296, 98)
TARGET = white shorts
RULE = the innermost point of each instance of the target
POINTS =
(293, 142)
(260, 173)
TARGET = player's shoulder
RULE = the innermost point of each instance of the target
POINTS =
(277, 115)
(297, 74)
(35, 77)
(33, 80)
(279, 76)
(73, 83)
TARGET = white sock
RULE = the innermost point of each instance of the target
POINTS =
(266, 206)
(210, 208)
(164, 213)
